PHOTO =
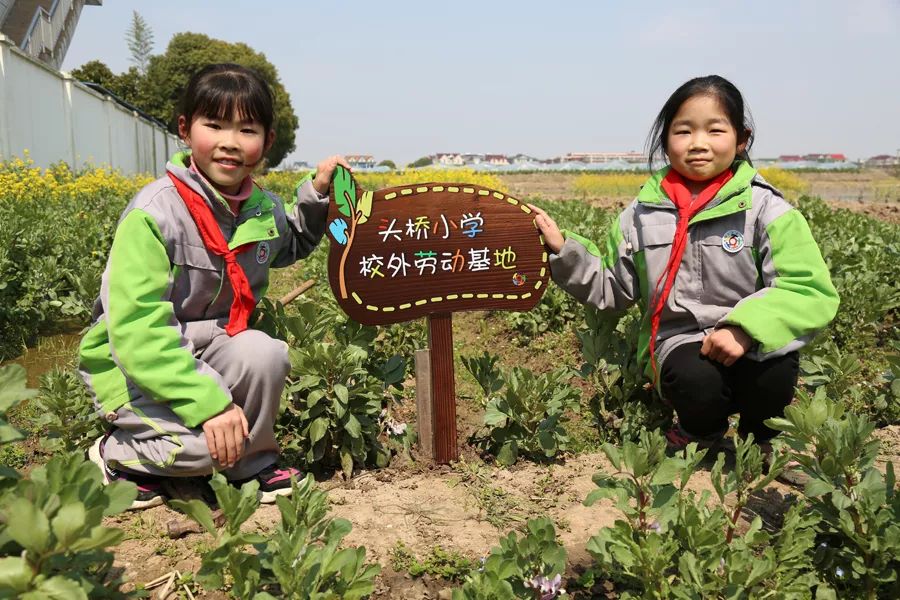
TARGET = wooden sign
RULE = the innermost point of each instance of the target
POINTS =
(404, 252)
(432, 249)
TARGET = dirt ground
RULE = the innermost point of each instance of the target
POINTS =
(426, 506)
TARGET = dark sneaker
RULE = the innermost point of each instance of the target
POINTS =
(677, 439)
(273, 481)
(149, 488)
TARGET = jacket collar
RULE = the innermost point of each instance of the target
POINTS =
(652, 193)
(179, 168)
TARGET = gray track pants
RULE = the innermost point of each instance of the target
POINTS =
(147, 437)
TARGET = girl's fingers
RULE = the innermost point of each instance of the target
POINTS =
(211, 445)
(244, 425)
(230, 447)
(238, 441)
(538, 211)
(221, 448)
(704, 347)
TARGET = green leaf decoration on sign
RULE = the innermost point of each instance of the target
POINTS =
(344, 192)
(364, 207)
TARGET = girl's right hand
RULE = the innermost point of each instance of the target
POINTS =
(225, 435)
(553, 237)
(324, 171)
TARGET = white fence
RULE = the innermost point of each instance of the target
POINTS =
(56, 118)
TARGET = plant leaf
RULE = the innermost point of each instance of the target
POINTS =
(344, 191)
(198, 511)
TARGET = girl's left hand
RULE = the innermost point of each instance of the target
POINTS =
(324, 171)
(726, 345)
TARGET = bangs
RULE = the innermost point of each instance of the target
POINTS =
(229, 92)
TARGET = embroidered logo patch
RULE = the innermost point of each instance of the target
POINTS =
(262, 252)
(733, 241)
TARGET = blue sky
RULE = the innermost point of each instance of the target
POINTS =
(399, 80)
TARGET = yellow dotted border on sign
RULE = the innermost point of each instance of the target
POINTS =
(483, 193)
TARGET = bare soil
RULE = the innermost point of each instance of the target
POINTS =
(427, 507)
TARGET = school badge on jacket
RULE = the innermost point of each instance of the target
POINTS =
(262, 252)
(733, 241)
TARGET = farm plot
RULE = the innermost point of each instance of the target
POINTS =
(588, 495)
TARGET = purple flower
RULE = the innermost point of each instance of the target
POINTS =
(548, 588)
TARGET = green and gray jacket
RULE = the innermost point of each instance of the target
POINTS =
(771, 281)
(164, 296)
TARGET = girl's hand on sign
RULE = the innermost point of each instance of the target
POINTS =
(324, 171)
(225, 435)
(726, 345)
(553, 237)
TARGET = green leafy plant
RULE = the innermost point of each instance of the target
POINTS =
(485, 371)
(675, 543)
(400, 340)
(858, 505)
(306, 324)
(67, 413)
(530, 566)
(334, 407)
(51, 532)
(441, 563)
(554, 313)
(528, 418)
(299, 560)
(622, 402)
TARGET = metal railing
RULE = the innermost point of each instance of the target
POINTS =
(46, 28)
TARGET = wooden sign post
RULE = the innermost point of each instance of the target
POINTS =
(429, 250)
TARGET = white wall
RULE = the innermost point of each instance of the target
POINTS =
(56, 118)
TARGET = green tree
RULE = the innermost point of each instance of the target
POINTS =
(388, 163)
(97, 72)
(168, 74)
(127, 85)
(140, 42)
(421, 162)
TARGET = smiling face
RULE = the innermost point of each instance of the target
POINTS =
(225, 150)
(701, 142)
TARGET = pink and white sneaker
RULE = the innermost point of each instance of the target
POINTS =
(275, 481)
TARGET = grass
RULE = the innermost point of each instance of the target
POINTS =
(450, 565)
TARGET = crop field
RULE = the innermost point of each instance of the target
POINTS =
(563, 488)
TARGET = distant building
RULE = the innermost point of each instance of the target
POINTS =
(42, 29)
(360, 161)
(883, 160)
(604, 157)
(825, 157)
(496, 159)
(822, 158)
(448, 159)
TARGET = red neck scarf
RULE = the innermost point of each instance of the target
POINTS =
(215, 242)
(677, 191)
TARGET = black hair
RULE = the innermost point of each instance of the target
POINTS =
(711, 85)
(216, 91)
